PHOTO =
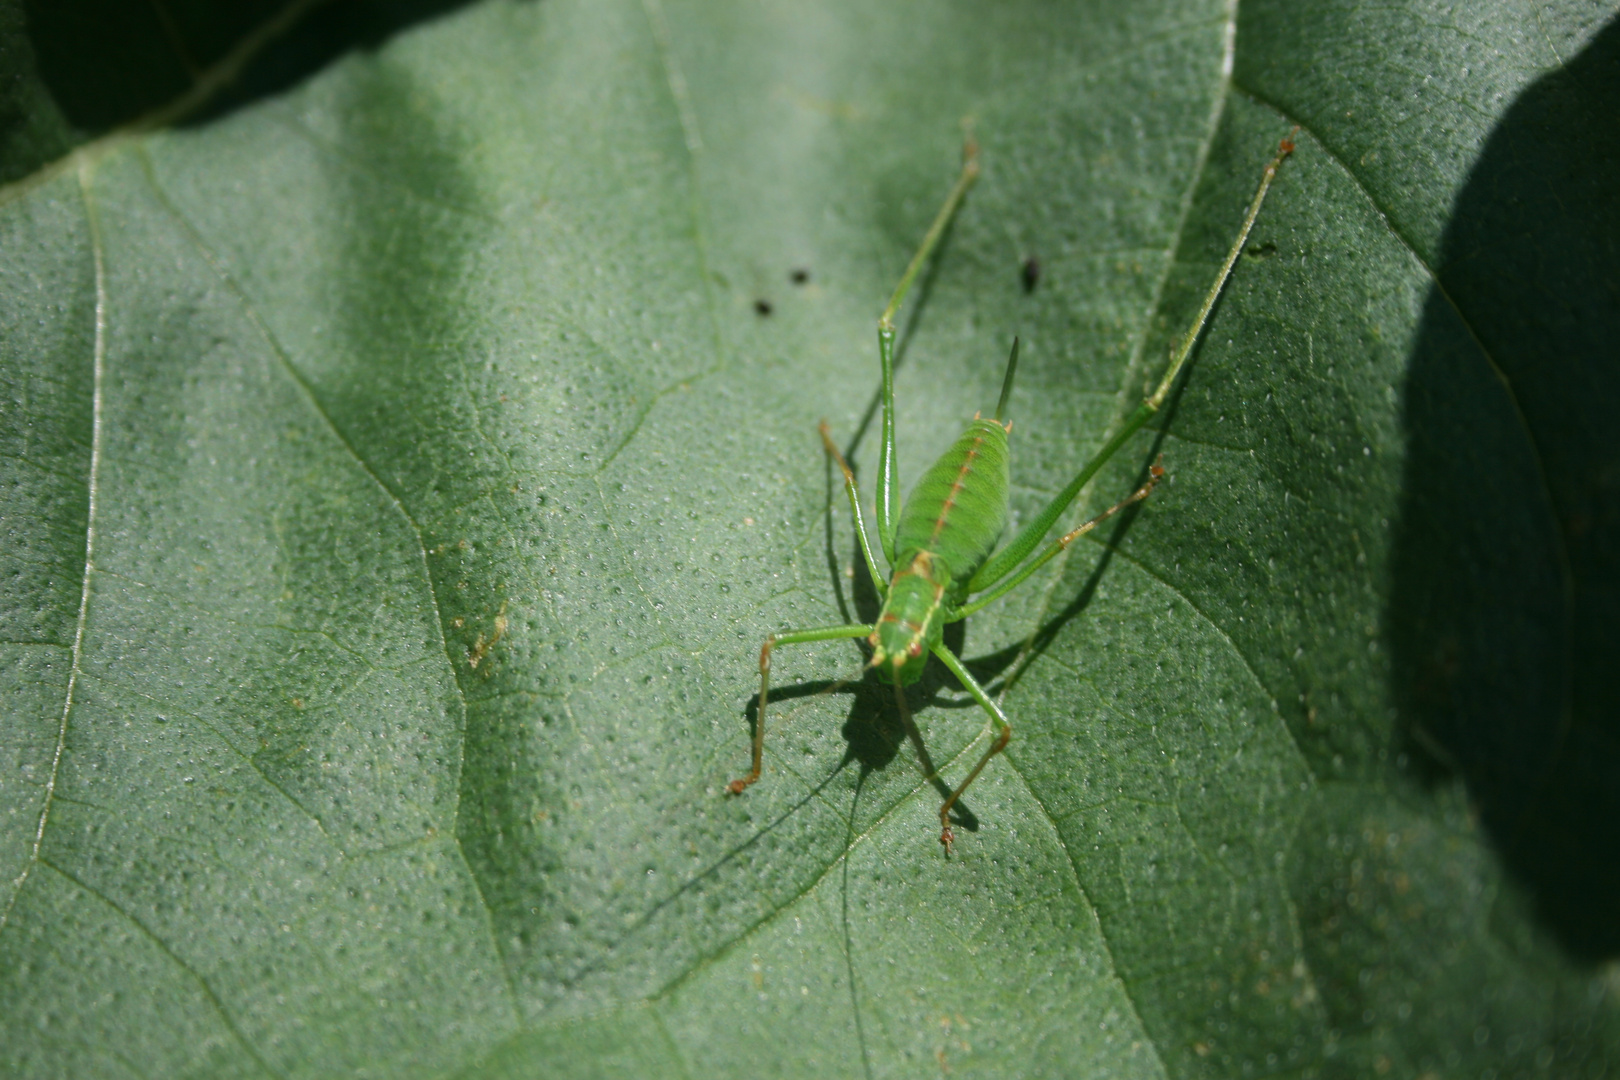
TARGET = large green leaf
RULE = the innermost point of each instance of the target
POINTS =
(400, 476)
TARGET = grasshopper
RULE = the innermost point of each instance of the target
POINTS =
(940, 546)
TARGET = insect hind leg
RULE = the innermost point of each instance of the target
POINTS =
(997, 745)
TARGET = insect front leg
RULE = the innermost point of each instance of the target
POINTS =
(879, 582)
(789, 637)
(997, 745)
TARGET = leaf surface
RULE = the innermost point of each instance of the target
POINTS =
(403, 470)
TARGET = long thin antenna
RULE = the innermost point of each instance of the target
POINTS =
(1006, 381)
(970, 173)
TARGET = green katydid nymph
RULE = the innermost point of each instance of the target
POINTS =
(940, 547)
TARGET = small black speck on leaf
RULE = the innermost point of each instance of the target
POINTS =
(763, 307)
(800, 276)
(1030, 273)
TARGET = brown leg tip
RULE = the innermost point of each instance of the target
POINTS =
(737, 787)
(947, 837)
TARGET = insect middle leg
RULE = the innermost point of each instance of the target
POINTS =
(788, 637)
(997, 745)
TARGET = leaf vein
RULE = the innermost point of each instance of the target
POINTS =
(179, 961)
(98, 363)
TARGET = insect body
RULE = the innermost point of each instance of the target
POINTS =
(939, 547)
(951, 522)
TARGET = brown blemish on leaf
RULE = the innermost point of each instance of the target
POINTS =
(481, 647)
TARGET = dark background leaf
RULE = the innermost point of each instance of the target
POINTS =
(401, 475)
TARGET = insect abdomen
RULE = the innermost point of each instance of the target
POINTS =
(959, 508)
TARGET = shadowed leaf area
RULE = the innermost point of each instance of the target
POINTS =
(76, 68)
(404, 459)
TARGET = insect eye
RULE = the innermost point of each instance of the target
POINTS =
(915, 648)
